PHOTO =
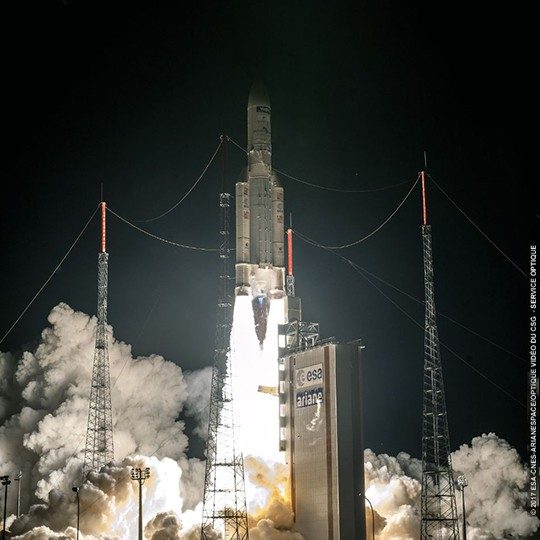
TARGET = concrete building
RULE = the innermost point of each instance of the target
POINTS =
(321, 433)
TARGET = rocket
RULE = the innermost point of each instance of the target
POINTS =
(260, 257)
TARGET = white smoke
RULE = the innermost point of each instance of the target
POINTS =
(271, 480)
(44, 407)
(495, 497)
(394, 494)
(198, 384)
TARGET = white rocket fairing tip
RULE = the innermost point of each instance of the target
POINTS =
(258, 95)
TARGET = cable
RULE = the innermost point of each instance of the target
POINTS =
(440, 314)
(377, 229)
(136, 340)
(478, 228)
(373, 190)
(83, 436)
(185, 246)
(50, 277)
(327, 188)
(190, 189)
(476, 370)
(360, 272)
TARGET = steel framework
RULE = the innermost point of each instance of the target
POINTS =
(224, 505)
(99, 449)
(297, 336)
(438, 504)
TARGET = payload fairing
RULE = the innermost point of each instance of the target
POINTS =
(260, 258)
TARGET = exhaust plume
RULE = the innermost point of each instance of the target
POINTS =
(44, 407)
(495, 498)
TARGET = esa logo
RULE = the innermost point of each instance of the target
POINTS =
(309, 376)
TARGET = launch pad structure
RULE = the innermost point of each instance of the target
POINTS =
(319, 421)
(224, 502)
(321, 434)
(99, 448)
(438, 501)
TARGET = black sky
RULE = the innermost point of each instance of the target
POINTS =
(137, 98)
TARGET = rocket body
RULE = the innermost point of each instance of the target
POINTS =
(260, 258)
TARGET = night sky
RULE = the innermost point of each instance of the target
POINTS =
(137, 98)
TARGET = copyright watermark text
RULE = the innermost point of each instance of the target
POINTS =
(533, 386)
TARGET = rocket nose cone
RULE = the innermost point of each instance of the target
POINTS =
(258, 95)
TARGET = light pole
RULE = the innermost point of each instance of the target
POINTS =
(5, 482)
(18, 480)
(462, 484)
(76, 490)
(372, 516)
(140, 475)
(372, 519)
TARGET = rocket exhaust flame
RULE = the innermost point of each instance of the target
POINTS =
(254, 366)
(261, 306)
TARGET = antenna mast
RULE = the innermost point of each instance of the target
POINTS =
(438, 506)
(290, 276)
(99, 449)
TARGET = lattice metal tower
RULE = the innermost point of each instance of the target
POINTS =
(224, 505)
(99, 448)
(439, 513)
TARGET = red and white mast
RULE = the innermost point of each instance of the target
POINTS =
(103, 205)
(290, 275)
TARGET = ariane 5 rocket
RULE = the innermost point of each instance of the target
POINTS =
(260, 257)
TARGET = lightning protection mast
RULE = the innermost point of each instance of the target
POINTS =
(438, 505)
(99, 448)
(224, 505)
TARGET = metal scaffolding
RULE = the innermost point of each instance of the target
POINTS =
(224, 505)
(438, 505)
(99, 449)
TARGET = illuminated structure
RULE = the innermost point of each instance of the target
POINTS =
(224, 504)
(320, 410)
(321, 433)
(99, 449)
(438, 506)
(140, 476)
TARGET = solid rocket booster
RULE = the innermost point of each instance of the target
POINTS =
(260, 258)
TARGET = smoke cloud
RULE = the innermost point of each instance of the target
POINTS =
(393, 487)
(495, 496)
(43, 415)
(271, 483)
(44, 408)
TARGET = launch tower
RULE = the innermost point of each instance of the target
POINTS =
(224, 506)
(438, 507)
(99, 449)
